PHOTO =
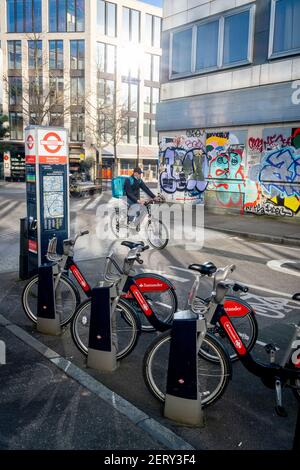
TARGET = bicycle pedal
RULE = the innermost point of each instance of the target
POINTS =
(281, 411)
(270, 348)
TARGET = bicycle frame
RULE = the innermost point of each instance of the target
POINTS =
(268, 373)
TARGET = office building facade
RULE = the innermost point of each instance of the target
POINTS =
(230, 103)
(91, 54)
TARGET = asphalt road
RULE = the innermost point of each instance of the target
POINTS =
(245, 417)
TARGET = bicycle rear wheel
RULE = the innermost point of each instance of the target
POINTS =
(157, 234)
(161, 296)
(66, 291)
(213, 377)
(126, 328)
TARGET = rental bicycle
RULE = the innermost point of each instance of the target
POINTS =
(123, 281)
(159, 291)
(214, 376)
(154, 230)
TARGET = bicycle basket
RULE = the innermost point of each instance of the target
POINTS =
(112, 270)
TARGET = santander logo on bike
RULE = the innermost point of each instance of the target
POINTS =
(142, 302)
(238, 344)
(80, 278)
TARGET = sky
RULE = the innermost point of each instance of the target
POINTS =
(157, 3)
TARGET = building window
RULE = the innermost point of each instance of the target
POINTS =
(107, 18)
(35, 54)
(106, 58)
(152, 68)
(77, 55)
(66, 15)
(24, 16)
(130, 97)
(16, 126)
(35, 92)
(150, 134)
(56, 54)
(207, 56)
(77, 127)
(106, 92)
(151, 98)
(284, 28)
(15, 91)
(14, 55)
(219, 43)
(56, 91)
(153, 30)
(77, 91)
(131, 25)
(56, 119)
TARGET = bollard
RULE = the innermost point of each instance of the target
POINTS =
(296, 444)
(183, 400)
(23, 256)
(48, 321)
(2, 353)
(101, 350)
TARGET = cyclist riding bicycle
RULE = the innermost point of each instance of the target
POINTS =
(132, 189)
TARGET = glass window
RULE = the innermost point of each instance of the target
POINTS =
(77, 91)
(52, 15)
(156, 68)
(77, 127)
(11, 16)
(56, 119)
(101, 16)
(146, 132)
(148, 30)
(156, 31)
(135, 26)
(125, 96)
(147, 99)
(126, 21)
(154, 135)
(80, 17)
(77, 54)
(207, 45)
(56, 91)
(71, 21)
(110, 58)
(14, 54)
(19, 16)
(100, 57)
(110, 92)
(28, 16)
(236, 36)
(16, 126)
(182, 44)
(101, 89)
(35, 59)
(66, 15)
(132, 130)
(15, 91)
(35, 92)
(147, 66)
(133, 106)
(56, 55)
(286, 26)
(111, 19)
(155, 99)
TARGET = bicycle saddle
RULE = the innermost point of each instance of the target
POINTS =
(207, 269)
(132, 245)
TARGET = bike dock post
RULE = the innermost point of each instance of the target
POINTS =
(101, 350)
(23, 256)
(48, 320)
(183, 400)
(2, 353)
(296, 444)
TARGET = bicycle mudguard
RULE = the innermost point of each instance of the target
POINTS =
(150, 282)
(236, 307)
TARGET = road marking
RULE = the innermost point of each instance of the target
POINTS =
(157, 431)
(276, 265)
(93, 203)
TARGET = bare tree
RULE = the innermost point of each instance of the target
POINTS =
(41, 96)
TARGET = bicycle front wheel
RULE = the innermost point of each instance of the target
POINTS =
(157, 234)
(66, 294)
(126, 328)
(213, 377)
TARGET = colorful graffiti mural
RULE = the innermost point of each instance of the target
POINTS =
(183, 167)
(259, 174)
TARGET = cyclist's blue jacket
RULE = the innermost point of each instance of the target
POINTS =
(132, 189)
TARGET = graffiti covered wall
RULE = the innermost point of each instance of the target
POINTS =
(256, 171)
